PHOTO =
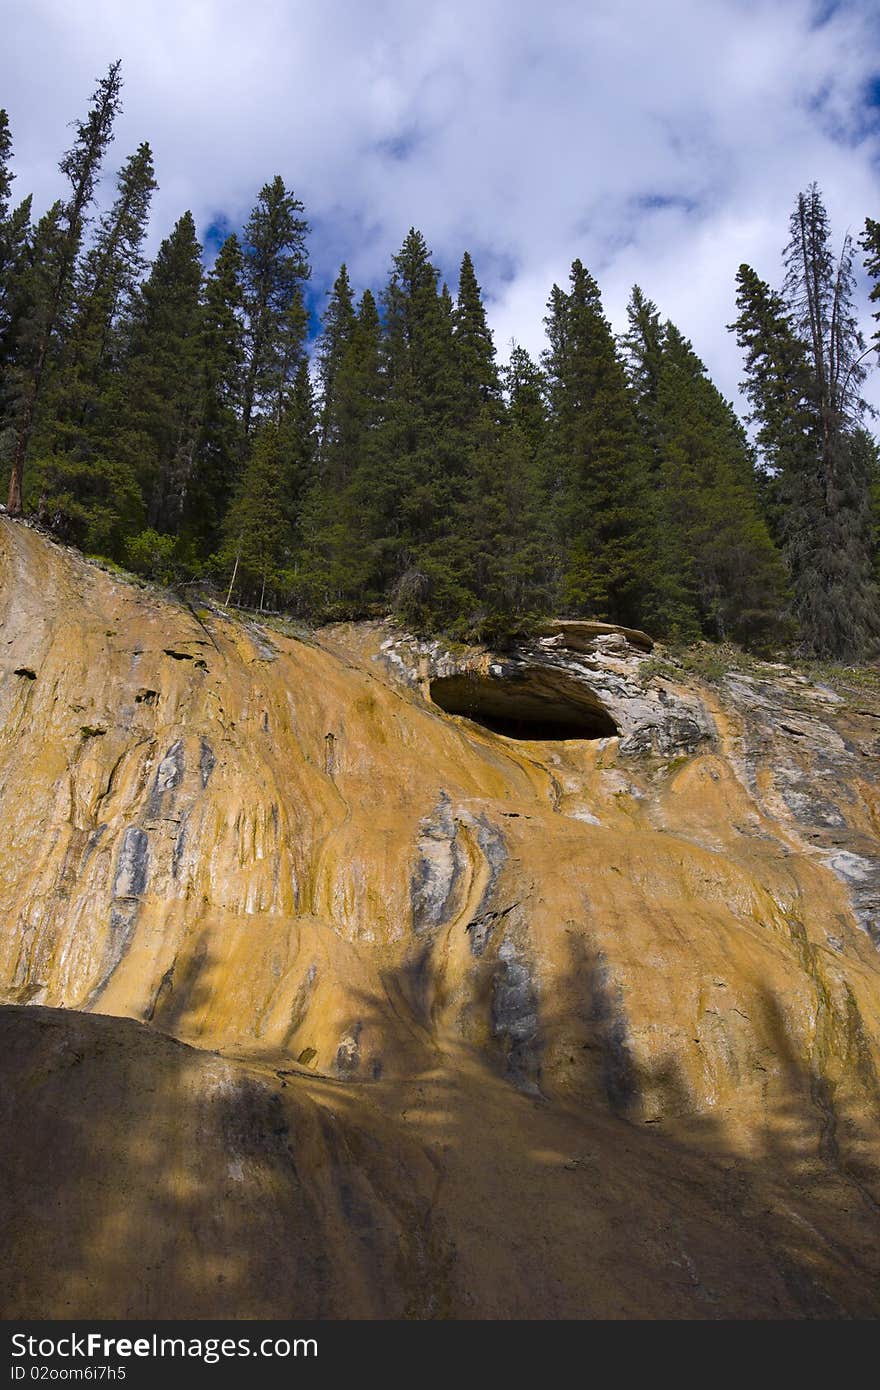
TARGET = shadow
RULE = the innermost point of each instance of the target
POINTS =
(531, 705)
(462, 1159)
(682, 1215)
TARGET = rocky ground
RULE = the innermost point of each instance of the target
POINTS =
(352, 975)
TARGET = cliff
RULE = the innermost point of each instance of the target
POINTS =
(350, 975)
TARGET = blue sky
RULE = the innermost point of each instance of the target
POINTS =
(661, 143)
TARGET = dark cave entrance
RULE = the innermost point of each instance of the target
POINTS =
(530, 704)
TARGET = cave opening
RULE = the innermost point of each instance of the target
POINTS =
(539, 704)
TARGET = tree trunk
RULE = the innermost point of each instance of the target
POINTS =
(232, 580)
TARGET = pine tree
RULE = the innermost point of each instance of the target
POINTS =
(81, 166)
(710, 503)
(257, 546)
(819, 292)
(105, 285)
(15, 247)
(299, 438)
(216, 463)
(599, 482)
(475, 349)
(154, 413)
(422, 468)
(6, 174)
(720, 575)
(274, 269)
(804, 371)
(337, 328)
(642, 347)
(10, 240)
(340, 514)
(504, 526)
(870, 243)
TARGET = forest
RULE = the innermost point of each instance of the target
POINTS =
(187, 424)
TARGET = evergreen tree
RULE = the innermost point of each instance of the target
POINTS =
(15, 246)
(154, 413)
(804, 371)
(104, 288)
(216, 460)
(337, 329)
(10, 239)
(642, 347)
(870, 243)
(80, 166)
(339, 514)
(721, 574)
(274, 269)
(299, 437)
(599, 481)
(420, 472)
(735, 577)
(257, 546)
(819, 292)
(6, 174)
(474, 346)
(526, 388)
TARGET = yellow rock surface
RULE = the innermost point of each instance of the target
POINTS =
(425, 1020)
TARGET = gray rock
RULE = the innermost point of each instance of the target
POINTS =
(439, 867)
(132, 867)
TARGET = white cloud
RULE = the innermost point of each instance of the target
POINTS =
(660, 143)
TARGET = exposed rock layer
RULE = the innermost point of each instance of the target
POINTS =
(496, 1026)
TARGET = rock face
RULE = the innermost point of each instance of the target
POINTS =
(353, 975)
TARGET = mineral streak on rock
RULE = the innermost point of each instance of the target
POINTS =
(439, 867)
(133, 864)
(576, 1016)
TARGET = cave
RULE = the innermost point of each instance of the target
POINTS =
(533, 703)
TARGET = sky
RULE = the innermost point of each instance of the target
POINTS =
(662, 143)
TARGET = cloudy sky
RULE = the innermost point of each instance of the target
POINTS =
(662, 143)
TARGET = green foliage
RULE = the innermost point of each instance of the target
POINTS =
(95, 505)
(152, 410)
(804, 369)
(153, 555)
(870, 243)
(50, 289)
(273, 271)
(105, 285)
(726, 578)
(218, 436)
(257, 544)
(603, 514)
(172, 419)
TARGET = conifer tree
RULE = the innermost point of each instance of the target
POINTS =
(154, 416)
(475, 348)
(340, 513)
(217, 455)
(275, 267)
(6, 174)
(257, 546)
(105, 284)
(720, 573)
(422, 473)
(337, 328)
(642, 346)
(15, 247)
(733, 572)
(10, 239)
(870, 243)
(602, 512)
(299, 438)
(81, 166)
(804, 370)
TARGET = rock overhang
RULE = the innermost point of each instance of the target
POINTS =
(525, 702)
